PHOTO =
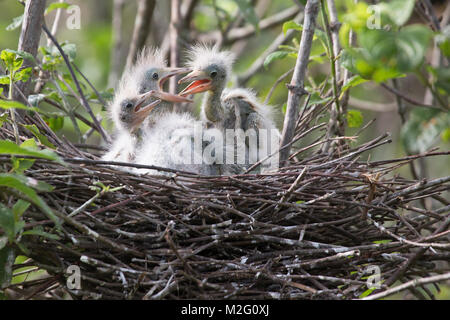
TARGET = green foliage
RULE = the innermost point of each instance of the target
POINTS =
(56, 5)
(9, 147)
(352, 82)
(354, 118)
(7, 257)
(424, 128)
(16, 23)
(398, 11)
(277, 55)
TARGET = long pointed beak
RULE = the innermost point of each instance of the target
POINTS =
(170, 72)
(140, 113)
(167, 73)
(200, 82)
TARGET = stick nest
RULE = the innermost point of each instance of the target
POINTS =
(312, 230)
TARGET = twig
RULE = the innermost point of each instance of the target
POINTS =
(409, 284)
(83, 100)
(29, 39)
(117, 40)
(141, 29)
(174, 35)
(259, 62)
(297, 82)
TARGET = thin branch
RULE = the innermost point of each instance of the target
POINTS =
(117, 39)
(141, 29)
(296, 87)
(29, 38)
(83, 100)
(240, 33)
(174, 45)
(259, 62)
(409, 284)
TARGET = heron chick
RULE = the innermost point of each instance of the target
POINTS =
(223, 108)
(140, 98)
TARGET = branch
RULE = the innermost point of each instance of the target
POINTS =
(259, 62)
(409, 284)
(29, 38)
(173, 35)
(236, 34)
(116, 49)
(293, 102)
(334, 125)
(83, 100)
(141, 29)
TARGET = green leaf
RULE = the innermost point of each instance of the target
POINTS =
(291, 25)
(8, 58)
(445, 135)
(38, 231)
(354, 118)
(42, 138)
(317, 99)
(7, 222)
(10, 104)
(248, 12)
(26, 186)
(352, 82)
(7, 257)
(4, 79)
(22, 54)
(23, 74)
(9, 147)
(19, 208)
(398, 11)
(423, 129)
(20, 165)
(17, 22)
(55, 123)
(56, 5)
(366, 293)
(277, 55)
(403, 50)
(443, 41)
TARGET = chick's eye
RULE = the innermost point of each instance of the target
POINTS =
(129, 105)
(213, 74)
(155, 76)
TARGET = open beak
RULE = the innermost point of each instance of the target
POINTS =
(161, 94)
(200, 82)
(142, 110)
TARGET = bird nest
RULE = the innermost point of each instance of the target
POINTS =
(319, 228)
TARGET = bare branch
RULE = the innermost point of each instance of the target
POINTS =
(236, 34)
(117, 47)
(297, 82)
(259, 62)
(29, 38)
(141, 29)
(83, 100)
(409, 284)
(174, 35)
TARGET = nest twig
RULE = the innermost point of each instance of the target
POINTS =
(308, 231)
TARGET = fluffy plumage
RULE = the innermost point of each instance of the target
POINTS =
(201, 56)
(134, 82)
(228, 108)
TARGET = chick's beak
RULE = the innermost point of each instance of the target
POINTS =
(166, 74)
(200, 82)
(141, 110)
